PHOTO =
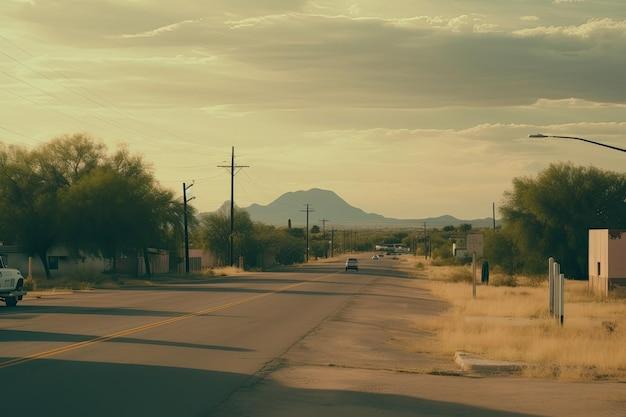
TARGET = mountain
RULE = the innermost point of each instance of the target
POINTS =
(328, 204)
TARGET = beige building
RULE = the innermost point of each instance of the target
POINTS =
(607, 260)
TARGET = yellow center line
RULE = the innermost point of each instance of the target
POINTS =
(121, 333)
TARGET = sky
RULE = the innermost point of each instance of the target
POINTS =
(407, 108)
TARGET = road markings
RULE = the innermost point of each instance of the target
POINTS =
(122, 333)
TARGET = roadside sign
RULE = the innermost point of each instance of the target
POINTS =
(475, 243)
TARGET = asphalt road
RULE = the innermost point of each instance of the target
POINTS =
(302, 342)
(171, 350)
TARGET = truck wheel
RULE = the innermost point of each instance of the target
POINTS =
(11, 301)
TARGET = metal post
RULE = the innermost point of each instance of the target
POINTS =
(550, 275)
(474, 275)
(555, 276)
(561, 298)
(30, 267)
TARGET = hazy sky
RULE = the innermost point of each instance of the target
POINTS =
(408, 108)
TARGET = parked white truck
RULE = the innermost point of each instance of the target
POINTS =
(11, 285)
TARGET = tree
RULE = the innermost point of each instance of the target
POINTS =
(68, 191)
(315, 229)
(28, 204)
(108, 211)
(550, 215)
(214, 232)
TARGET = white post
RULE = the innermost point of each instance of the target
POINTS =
(550, 280)
(474, 275)
(561, 298)
(555, 276)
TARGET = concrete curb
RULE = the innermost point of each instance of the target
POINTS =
(472, 363)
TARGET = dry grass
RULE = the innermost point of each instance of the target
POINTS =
(508, 323)
(225, 271)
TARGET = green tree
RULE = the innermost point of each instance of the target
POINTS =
(550, 215)
(108, 211)
(214, 233)
(31, 182)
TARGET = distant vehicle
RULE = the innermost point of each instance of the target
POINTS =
(352, 263)
(393, 248)
(375, 257)
(11, 285)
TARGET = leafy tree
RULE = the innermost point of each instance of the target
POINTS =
(315, 229)
(214, 233)
(550, 215)
(28, 204)
(108, 211)
(68, 191)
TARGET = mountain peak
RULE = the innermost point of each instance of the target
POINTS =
(329, 205)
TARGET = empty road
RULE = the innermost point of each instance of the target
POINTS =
(299, 342)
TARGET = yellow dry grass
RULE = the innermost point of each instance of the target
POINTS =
(513, 324)
(225, 271)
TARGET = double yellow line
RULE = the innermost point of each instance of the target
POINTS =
(122, 333)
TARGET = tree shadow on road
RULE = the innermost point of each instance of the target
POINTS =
(37, 336)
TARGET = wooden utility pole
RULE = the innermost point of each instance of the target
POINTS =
(493, 209)
(308, 210)
(324, 221)
(232, 168)
(186, 223)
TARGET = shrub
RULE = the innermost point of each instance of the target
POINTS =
(504, 281)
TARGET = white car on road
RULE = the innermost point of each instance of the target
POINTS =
(11, 285)
(352, 263)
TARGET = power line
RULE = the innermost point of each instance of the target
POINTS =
(57, 99)
(100, 102)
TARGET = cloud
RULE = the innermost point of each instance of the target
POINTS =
(529, 18)
(575, 103)
(591, 29)
(156, 32)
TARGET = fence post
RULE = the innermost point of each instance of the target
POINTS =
(555, 277)
(561, 298)
(474, 275)
(550, 280)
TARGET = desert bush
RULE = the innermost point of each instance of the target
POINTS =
(504, 281)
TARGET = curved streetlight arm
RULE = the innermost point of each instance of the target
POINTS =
(542, 136)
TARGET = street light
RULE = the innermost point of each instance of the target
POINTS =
(542, 136)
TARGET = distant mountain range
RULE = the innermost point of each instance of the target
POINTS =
(328, 204)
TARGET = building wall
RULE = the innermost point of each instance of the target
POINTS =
(617, 254)
(598, 253)
(65, 264)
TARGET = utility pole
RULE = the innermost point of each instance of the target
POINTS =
(307, 211)
(232, 168)
(493, 207)
(425, 244)
(324, 236)
(324, 227)
(332, 243)
(186, 222)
